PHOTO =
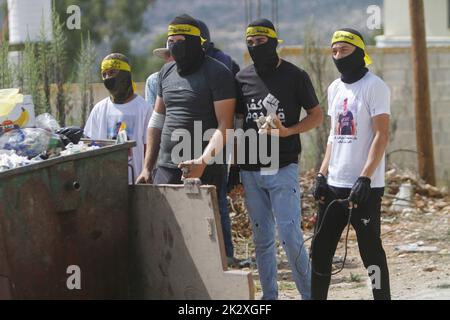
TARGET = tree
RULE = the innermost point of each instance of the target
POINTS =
(108, 22)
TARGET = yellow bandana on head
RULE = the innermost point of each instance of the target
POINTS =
(353, 39)
(262, 31)
(115, 64)
(185, 29)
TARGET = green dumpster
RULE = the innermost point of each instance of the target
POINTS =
(64, 227)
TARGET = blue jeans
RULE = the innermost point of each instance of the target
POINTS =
(274, 201)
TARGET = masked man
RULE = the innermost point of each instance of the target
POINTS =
(274, 88)
(196, 95)
(123, 109)
(354, 165)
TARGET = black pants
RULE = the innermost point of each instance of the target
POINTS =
(213, 175)
(366, 222)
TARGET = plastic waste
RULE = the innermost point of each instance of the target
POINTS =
(48, 122)
(10, 160)
(30, 142)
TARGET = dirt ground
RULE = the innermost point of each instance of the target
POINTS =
(413, 275)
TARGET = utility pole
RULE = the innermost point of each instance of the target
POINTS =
(424, 132)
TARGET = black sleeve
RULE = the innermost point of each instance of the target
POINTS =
(239, 99)
(235, 68)
(221, 82)
(307, 94)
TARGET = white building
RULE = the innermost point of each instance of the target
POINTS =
(397, 29)
(26, 18)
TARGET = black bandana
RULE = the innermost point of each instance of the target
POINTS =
(265, 56)
(188, 54)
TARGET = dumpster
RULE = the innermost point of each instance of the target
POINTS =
(63, 218)
(72, 228)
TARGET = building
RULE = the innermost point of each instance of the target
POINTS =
(396, 21)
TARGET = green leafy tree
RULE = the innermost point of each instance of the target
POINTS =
(108, 21)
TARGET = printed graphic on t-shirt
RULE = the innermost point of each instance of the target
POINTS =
(346, 124)
(114, 124)
(270, 104)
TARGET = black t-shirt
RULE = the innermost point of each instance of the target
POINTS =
(191, 98)
(345, 123)
(287, 90)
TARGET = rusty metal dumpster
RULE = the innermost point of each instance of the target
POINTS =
(68, 211)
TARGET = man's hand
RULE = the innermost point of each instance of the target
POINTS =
(320, 188)
(271, 104)
(279, 131)
(192, 169)
(360, 192)
(145, 177)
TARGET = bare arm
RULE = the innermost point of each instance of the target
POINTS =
(224, 113)
(152, 148)
(381, 129)
(326, 160)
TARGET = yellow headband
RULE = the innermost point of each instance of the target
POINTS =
(185, 29)
(262, 31)
(353, 39)
(115, 64)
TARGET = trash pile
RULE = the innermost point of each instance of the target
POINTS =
(405, 194)
(26, 139)
(24, 146)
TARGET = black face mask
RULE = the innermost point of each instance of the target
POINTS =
(352, 68)
(120, 87)
(265, 56)
(188, 55)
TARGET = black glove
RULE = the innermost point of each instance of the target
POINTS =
(320, 187)
(360, 191)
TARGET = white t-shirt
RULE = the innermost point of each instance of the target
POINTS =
(106, 118)
(351, 108)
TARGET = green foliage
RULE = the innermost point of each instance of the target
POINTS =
(315, 64)
(86, 65)
(145, 65)
(5, 69)
(58, 60)
(107, 21)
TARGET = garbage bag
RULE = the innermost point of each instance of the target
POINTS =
(70, 135)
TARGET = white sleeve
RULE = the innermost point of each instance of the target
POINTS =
(379, 99)
(93, 124)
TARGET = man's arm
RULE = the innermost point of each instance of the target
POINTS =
(380, 125)
(224, 113)
(313, 119)
(153, 144)
(326, 160)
